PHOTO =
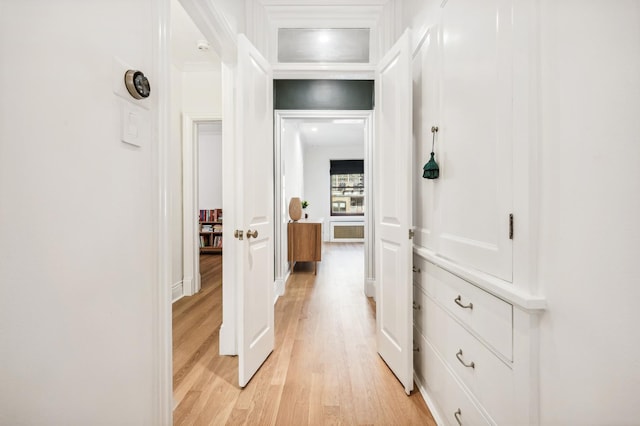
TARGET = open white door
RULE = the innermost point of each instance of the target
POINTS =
(393, 183)
(254, 214)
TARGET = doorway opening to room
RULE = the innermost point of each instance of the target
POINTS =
(324, 159)
(196, 209)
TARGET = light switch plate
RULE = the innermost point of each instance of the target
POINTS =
(134, 125)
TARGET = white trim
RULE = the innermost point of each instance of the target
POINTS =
(216, 29)
(229, 330)
(499, 288)
(281, 266)
(327, 72)
(431, 403)
(177, 291)
(280, 212)
(370, 216)
(162, 362)
(214, 26)
(190, 208)
(278, 288)
(370, 288)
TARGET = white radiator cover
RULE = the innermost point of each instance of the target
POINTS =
(347, 232)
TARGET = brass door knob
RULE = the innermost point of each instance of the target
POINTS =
(251, 234)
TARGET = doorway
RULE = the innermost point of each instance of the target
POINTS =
(305, 143)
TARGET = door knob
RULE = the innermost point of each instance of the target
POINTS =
(238, 234)
(251, 233)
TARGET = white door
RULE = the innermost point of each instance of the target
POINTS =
(254, 214)
(393, 183)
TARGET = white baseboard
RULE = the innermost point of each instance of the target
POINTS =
(370, 288)
(278, 287)
(177, 291)
(187, 285)
(227, 342)
(433, 408)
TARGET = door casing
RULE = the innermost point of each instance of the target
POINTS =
(190, 207)
(280, 211)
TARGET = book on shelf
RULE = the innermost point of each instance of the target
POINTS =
(211, 215)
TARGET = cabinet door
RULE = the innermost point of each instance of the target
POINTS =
(475, 135)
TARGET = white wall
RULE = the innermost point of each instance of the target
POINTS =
(210, 165)
(590, 238)
(202, 92)
(78, 239)
(292, 153)
(316, 180)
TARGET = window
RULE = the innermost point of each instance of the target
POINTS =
(347, 187)
(323, 45)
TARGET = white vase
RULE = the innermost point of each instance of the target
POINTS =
(295, 209)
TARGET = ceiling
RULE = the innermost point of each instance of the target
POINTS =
(329, 132)
(185, 36)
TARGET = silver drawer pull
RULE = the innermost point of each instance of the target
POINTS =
(416, 306)
(457, 415)
(416, 269)
(458, 301)
(459, 356)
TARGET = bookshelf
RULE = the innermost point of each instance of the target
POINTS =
(211, 231)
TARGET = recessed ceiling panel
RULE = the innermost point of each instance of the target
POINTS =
(333, 45)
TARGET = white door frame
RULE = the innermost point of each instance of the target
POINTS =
(190, 205)
(211, 22)
(280, 212)
(213, 25)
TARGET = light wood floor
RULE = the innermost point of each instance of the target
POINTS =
(324, 370)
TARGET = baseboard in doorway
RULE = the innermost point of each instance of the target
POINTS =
(278, 289)
(177, 291)
(370, 288)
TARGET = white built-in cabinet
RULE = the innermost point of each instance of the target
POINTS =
(475, 307)
(467, 92)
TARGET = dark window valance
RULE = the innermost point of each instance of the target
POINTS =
(345, 167)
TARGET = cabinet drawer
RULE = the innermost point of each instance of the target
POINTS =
(443, 387)
(489, 317)
(489, 378)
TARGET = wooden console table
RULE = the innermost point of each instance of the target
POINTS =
(304, 243)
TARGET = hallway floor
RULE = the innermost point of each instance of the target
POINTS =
(324, 370)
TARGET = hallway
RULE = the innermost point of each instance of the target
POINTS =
(324, 370)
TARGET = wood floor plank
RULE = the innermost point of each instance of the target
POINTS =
(324, 370)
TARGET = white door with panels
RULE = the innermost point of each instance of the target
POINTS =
(476, 137)
(254, 209)
(393, 189)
